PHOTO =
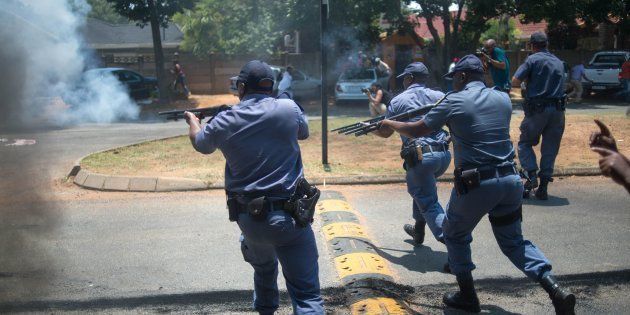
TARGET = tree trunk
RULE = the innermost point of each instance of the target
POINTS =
(157, 51)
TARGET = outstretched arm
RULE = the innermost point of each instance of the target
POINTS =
(408, 129)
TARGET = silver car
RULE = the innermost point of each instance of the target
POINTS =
(303, 85)
(352, 81)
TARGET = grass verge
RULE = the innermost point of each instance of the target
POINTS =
(348, 155)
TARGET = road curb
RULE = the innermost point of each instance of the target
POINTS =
(362, 271)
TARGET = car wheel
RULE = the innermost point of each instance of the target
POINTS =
(586, 93)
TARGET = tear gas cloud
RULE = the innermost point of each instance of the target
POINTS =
(42, 42)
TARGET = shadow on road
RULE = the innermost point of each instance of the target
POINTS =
(421, 259)
(553, 201)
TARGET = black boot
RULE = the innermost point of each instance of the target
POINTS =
(531, 182)
(563, 300)
(541, 192)
(466, 299)
(416, 231)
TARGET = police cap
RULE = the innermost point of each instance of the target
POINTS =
(415, 68)
(469, 63)
(257, 75)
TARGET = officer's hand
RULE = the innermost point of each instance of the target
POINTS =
(614, 165)
(191, 118)
(603, 138)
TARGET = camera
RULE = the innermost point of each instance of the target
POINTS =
(480, 52)
(365, 90)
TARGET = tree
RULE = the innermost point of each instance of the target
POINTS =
(103, 10)
(157, 13)
(461, 30)
(502, 29)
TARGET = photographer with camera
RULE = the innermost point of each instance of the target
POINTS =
(379, 99)
(498, 63)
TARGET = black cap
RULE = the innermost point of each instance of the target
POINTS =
(415, 68)
(538, 37)
(254, 73)
(469, 63)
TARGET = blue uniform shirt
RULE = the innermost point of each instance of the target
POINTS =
(417, 95)
(259, 139)
(479, 121)
(544, 74)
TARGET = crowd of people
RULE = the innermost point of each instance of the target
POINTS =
(262, 191)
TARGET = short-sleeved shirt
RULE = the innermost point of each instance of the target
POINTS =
(478, 118)
(500, 77)
(625, 70)
(544, 74)
(576, 72)
(259, 139)
(417, 95)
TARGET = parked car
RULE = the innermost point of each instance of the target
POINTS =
(303, 85)
(139, 87)
(352, 81)
(603, 70)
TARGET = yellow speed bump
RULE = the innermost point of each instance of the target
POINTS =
(377, 305)
(344, 229)
(333, 205)
(361, 263)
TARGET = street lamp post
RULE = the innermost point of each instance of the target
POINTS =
(324, 71)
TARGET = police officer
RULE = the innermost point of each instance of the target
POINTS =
(426, 158)
(259, 139)
(544, 113)
(486, 183)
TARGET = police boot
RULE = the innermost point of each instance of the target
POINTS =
(416, 231)
(466, 299)
(563, 300)
(541, 192)
(530, 183)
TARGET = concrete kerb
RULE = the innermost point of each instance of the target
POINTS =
(103, 182)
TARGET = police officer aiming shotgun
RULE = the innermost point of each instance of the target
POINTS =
(267, 195)
(486, 182)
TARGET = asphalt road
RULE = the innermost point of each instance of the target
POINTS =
(68, 249)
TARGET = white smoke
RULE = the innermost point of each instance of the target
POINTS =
(46, 35)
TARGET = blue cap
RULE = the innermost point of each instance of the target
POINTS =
(415, 68)
(538, 37)
(469, 63)
(254, 73)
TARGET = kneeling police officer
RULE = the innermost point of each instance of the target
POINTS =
(486, 182)
(267, 194)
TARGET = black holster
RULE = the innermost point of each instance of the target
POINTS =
(257, 208)
(410, 156)
(301, 205)
(466, 180)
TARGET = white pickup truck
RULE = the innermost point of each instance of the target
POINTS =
(603, 70)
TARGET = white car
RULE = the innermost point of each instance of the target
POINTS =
(352, 81)
(303, 85)
(603, 70)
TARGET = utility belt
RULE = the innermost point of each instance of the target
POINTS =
(537, 105)
(412, 154)
(301, 206)
(469, 179)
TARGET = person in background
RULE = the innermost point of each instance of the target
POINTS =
(498, 64)
(449, 80)
(180, 77)
(379, 99)
(577, 74)
(624, 78)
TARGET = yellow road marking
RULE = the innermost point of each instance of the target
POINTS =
(377, 305)
(344, 229)
(333, 205)
(358, 263)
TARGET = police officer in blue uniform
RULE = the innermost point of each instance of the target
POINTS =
(486, 182)
(426, 158)
(259, 139)
(544, 114)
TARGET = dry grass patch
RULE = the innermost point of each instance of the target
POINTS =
(348, 155)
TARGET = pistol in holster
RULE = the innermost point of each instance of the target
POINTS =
(301, 205)
(411, 155)
(466, 180)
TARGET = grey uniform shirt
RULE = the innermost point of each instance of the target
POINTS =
(259, 139)
(478, 118)
(544, 74)
(416, 96)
